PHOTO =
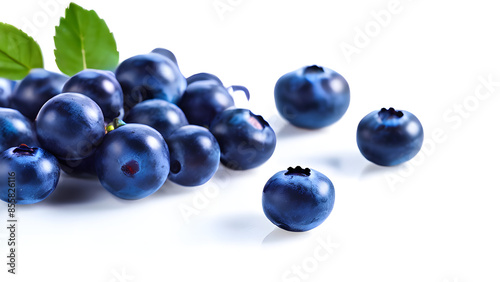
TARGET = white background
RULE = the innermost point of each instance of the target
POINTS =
(434, 219)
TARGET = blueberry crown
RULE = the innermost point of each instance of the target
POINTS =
(25, 150)
(390, 113)
(298, 171)
(313, 69)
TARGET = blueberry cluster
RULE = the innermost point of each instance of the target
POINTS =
(133, 128)
(145, 123)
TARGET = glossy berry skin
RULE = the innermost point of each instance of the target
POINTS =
(6, 89)
(194, 155)
(246, 140)
(149, 76)
(15, 129)
(100, 86)
(83, 168)
(389, 137)
(161, 115)
(203, 100)
(312, 97)
(70, 126)
(35, 171)
(298, 199)
(203, 76)
(133, 161)
(166, 53)
(35, 89)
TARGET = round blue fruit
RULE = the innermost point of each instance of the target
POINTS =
(32, 172)
(161, 115)
(203, 100)
(100, 86)
(133, 161)
(246, 140)
(6, 89)
(298, 199)
(70, 126)
(389, 137)
(149, 76)
(312, 97)
(35, 89)
(15, 129)
(194, 155)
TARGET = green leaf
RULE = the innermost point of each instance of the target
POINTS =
(19, 53)
(83, 41)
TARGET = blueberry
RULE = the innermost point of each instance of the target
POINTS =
(203, 100)
(298, 199)
(389, 137)
(15, 129)
(246, 140)
(194, 155)
(202, 76)
(133, 161)
(149, 76)
(70, 126)
(159, 114)
(312, 97)
(35, 89)
(100, 86)
(166, 53)
(6, 89)
(34, 172)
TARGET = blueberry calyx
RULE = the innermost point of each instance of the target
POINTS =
(390, 113)
(234, 88)
(24, 150)
(299, 171)
(175, 167)
(313, 69)
(258, 122)
(116, 123)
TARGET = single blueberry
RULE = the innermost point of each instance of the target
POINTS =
(35, 89)
(246, 140)
(149, 76)
(15, 129)
(203, 100)
(194, 155)
(298, 199)
(70, 126)
(29, 175)
(312, 97)
(100, 86)
(389, 137)
(133, 161)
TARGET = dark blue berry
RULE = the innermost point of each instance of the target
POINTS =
(389, 137)
(246, 140)
(298, 199)
(133, 161)
(194, 155)
(312, 97)
(70, 126)
(202, 76)
(203, 100)
(149, 76)
(15, 129)
(33, 172)
(100, 86)
(35, 89)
